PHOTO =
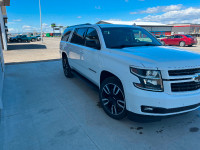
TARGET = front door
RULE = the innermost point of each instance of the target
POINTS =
(91, 55)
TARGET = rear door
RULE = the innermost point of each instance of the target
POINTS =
(64, 40)
(76, 47)
(177, 39)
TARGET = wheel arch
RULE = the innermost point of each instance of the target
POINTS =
(106, 74)
(64, 54)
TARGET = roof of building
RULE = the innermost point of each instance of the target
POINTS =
(131, 23)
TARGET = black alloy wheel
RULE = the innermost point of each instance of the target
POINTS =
(66, 68)
(112, 98)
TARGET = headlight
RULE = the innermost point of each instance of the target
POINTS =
(149, 79)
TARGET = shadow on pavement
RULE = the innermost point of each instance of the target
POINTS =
(26, 46)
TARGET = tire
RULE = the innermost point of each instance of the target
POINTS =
(163, 43)
(66, 67)
(19, 40)
(182, 44)
(33, 40)
(113, 102)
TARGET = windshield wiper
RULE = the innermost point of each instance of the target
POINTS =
(123, 46)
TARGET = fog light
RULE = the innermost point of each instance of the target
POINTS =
(147, 109)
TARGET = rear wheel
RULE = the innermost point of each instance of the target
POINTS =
(182, 44)
(112, 99)
(66, 67)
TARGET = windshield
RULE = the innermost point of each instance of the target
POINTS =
(120, 37)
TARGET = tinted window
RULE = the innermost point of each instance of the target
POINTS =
(128, 37)
(78, 36)
(92, 36)
(177, 36)
(189, 36)
(66, 35)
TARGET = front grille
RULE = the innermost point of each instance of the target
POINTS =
(185, 86)
(183, 72)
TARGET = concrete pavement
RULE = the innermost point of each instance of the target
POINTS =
(33, 51)
(45, 111)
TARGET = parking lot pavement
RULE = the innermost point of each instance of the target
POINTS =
(32, 51)
(44, 110)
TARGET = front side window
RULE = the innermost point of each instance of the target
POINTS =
(78, 36)
(92, 39)
(171, 37)
(120, 37)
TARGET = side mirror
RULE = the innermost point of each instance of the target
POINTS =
(92, 44)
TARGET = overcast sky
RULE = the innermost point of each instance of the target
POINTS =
(23, 15)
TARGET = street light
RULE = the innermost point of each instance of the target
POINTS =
(40, 20)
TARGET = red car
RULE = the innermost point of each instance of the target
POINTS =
(180, 39)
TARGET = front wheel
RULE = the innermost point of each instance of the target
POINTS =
(66, 67)
(112, 99)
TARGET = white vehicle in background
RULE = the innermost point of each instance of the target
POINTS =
(134, 72)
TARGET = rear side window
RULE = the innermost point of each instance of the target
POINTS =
(92, 36)
(189, 36)
(78, 36)
(66, 35)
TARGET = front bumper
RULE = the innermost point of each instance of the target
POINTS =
(164, 104)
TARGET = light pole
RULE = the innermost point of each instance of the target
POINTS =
(40, 21)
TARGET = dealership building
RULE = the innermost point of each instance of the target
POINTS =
(192, 29)
(157, 29)
(161, 30)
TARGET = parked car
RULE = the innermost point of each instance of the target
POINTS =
(14, 39)
(22, 38)
(134, 72)
(180, 39)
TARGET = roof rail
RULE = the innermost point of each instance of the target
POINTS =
(80, 25)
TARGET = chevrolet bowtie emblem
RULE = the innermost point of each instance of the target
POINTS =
(197, 78)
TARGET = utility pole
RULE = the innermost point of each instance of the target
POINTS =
(40, 21)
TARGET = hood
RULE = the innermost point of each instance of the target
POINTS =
(162, 57)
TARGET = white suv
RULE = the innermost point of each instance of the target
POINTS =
(134, 72)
